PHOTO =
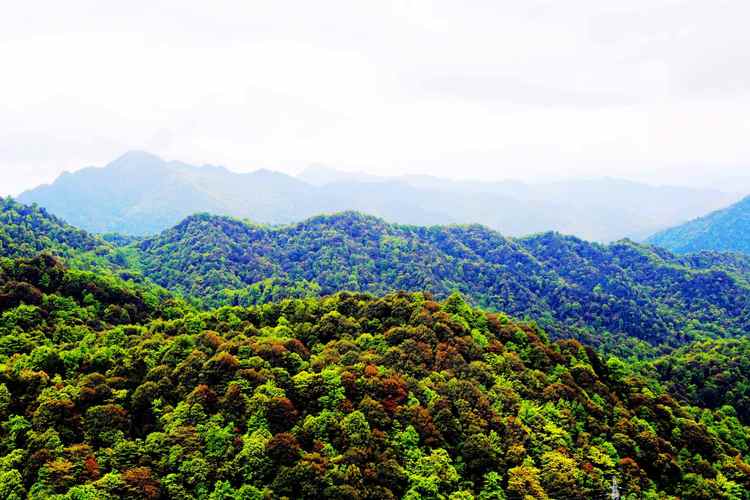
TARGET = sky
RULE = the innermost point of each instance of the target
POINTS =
(651, 90)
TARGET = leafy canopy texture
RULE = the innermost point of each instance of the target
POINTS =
(624, 296)
(27, 230)
(714, 374)
(113, 390)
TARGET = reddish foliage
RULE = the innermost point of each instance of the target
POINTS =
(283, 449)
(92, 468)
(140, 483)
(281, 414)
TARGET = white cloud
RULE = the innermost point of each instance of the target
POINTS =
(648, 89)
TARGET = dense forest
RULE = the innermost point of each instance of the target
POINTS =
(284, 362)
(712, 373)
(625, 296)
(536, 288)
(26, 230)
(110, 389)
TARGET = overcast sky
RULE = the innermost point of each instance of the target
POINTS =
(657, 90)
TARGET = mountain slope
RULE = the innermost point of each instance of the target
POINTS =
(26, 230)
(615, 295)
(141, 194)
(344, 397)
(711, 374)
(723, 230)
(569, 285)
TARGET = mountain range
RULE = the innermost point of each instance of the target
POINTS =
(726, 230)
(288, 362)
(632, 298)
(573, 287)
(141, 194)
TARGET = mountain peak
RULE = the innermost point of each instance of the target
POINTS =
(136, 156)
(266, 172)
(140, 193)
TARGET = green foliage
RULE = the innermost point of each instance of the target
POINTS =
(711, 374)
(343, 396)
(624, 297)
(112, 388)
(26, 230)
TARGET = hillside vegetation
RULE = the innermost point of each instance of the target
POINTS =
(29, 230)
(725, 230)
(624, 297)
(26, 230)
(616, 294)
(109, 390)
(712, 374)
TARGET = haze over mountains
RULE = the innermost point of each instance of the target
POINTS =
(487, 310)
(140, 194)
(723, 230)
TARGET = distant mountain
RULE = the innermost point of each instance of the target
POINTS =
(602, 209)
(723, 230)
(141, 194)
(320, 175)
(569, 285)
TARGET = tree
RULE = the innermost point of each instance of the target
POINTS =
(524, 481)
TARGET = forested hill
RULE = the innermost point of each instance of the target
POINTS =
(723, 230)
(108, 391)
(26, 230)
(712, 374)
(616, 295)
(571, 286)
